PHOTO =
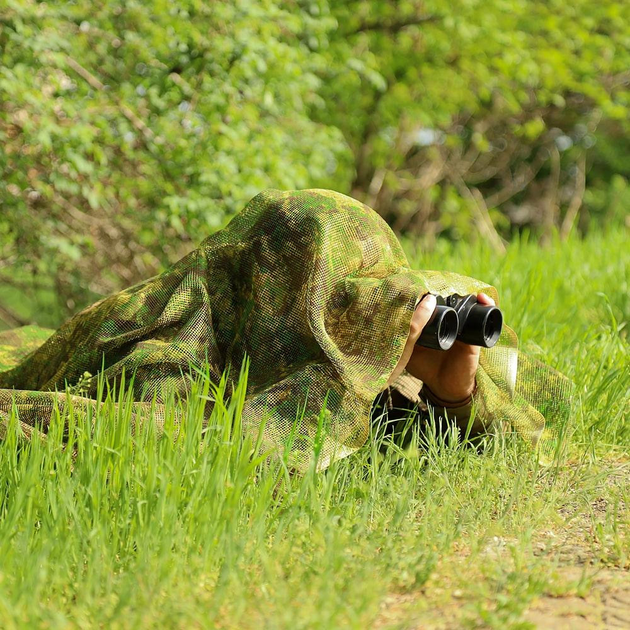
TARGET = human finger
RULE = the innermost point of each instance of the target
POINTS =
(421, 316)
(482, 298)
(419, 319)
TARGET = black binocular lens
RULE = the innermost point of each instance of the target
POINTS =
(492, 327)
(462, 318)
(482, 326)
(448, 325)
(440, 332)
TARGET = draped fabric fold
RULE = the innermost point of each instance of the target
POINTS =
(315, 289)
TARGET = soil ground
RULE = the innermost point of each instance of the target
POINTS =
(581, 593)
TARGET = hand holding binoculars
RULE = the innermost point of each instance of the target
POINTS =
(461, 318)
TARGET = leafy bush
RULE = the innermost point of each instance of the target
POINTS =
(499, 114)
(132, 130)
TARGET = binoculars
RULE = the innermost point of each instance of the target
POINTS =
(461, 318)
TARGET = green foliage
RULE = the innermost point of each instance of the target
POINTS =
(102, 525)
(130, 131)
(463, 111)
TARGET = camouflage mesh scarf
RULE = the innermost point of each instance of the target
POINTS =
(315, 289)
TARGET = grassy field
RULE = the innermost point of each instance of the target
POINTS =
(144, 532)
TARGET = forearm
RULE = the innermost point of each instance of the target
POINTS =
(407, 401)
(458, 411)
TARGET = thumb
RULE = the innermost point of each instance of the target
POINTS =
(421, 316)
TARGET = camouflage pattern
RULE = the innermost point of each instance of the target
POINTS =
(314, 288)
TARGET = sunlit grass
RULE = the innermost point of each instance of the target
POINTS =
(102, 525)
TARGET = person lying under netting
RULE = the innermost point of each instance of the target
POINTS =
(314, 289)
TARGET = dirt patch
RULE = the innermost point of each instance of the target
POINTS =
(597, 596)
(585, 585)
(591, 599)
(605, 605)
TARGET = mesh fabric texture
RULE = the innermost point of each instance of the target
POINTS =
(315, 289)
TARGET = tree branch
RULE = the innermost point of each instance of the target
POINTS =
(519, 182)
(96, 84)
(576, 200)
(482, 216)
(393, 26)
(22, 286)
(11, 318)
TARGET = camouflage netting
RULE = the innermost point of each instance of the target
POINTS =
(315, 289)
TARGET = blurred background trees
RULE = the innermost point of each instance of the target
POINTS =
(132, 130)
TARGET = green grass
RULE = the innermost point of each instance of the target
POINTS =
(192, 529)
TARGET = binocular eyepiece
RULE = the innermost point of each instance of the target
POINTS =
(461, 318)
